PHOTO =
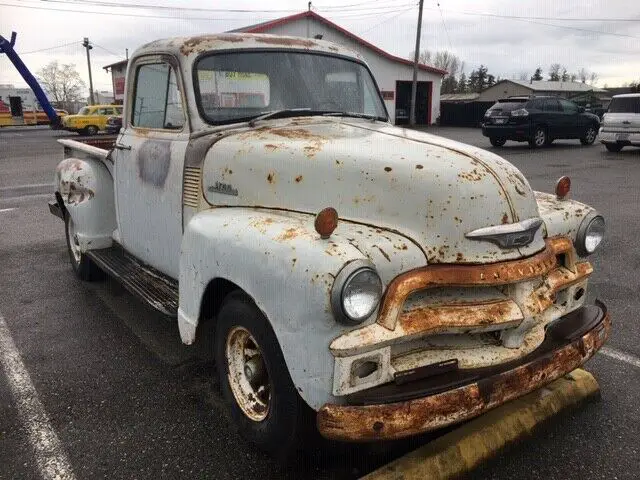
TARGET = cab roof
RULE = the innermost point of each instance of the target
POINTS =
(192, 46)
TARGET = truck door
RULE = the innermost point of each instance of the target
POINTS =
(149, 157)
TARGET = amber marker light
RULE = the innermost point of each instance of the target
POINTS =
(326, 222)
(562, 187)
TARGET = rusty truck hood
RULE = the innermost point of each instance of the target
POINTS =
(430, 189)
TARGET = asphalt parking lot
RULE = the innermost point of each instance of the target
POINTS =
(127, 400)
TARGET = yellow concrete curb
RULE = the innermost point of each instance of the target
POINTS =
(464, 448)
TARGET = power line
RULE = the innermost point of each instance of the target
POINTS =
(50, 48)
(386, 20)
(563, 19)
(138, 6)
(99, 3)
(106, 50)
(119, 14)
(444, 25)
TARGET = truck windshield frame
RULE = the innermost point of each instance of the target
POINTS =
(234, 86)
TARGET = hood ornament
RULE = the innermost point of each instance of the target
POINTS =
(512, 235)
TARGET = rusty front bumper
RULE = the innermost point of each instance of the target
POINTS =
(438, 402)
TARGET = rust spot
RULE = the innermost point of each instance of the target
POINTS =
(466, 316)
(291, 42)
(334, 49)
(502, 273)
(270, 147)
(298, 178)
(387, 169)
(189, 46)
(288, 234)
(473, 176)
(419, 167)
(459, 257)
(293, 262)
(311, 150)
(271, 178)
(402, 419)
(505, 218)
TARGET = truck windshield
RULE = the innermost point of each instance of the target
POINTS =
(239, 86)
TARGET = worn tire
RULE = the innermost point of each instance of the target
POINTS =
(91, 130)
(613, 147)
(497, 141)
(589, 136)
(287, 419)
(539, 138)
(83, 266)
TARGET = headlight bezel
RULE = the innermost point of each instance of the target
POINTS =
(583, 230)
(344, 277)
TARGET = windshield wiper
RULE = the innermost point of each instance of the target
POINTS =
(289, 112)
(373, 118)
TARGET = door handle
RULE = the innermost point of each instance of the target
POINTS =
(626, 122)
(122, 147)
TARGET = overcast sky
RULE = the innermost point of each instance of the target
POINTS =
(507, 46)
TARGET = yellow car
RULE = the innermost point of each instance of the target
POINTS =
(90, 119)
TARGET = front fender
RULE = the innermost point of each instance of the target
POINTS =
(561, 217)
(279, 260)
(86, 188)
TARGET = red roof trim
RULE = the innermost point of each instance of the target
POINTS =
(264, 27)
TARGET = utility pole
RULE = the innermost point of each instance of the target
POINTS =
(414, 85)
(86, 45)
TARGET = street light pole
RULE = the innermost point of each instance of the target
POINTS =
(414, 85)
(86, 45)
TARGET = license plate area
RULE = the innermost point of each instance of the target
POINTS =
(500, 120)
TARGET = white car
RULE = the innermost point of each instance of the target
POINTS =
(621, 124)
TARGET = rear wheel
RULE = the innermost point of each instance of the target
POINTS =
(254, 379)
(589, 136)
(539, 138)
(91, 130)
(613, 147)
(82, 265)
(497, 141)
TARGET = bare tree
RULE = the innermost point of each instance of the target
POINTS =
(565, 75)
(554, 72)
(62, 83)
(524, 75)
(424, 57)
(593, 78)
(583, 74)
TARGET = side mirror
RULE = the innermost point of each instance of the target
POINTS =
(581, 110)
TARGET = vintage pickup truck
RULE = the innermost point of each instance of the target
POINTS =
(381, 280)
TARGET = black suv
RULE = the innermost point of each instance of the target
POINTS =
(539, 121)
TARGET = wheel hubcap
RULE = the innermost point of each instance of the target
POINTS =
(591, 135)
(539, 138)
(248, 376)
(74, 243)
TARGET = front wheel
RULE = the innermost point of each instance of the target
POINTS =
(539, 138)
(91, 130)
(497, 142)
(613, 147)
(82, 265)
(254, 378)
(589, 136)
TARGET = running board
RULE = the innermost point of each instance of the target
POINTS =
(155, 288)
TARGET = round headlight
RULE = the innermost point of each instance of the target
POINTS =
(356, 293)
(590, 234)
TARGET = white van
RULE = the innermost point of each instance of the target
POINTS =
(621, 124)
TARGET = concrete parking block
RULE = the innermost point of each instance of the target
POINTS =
(464, 448)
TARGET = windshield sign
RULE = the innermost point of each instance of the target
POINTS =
(234, 87)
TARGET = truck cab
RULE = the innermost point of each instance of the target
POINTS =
(380, 281)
